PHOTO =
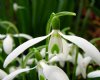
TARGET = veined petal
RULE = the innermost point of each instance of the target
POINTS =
(2, 74)
(53, 72)
(22, 48)
(12, 75)
(8, 44)
(87, 47)
(23, 35)
(30, 61)
(94, 74)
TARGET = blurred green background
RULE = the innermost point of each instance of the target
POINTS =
(32, 19)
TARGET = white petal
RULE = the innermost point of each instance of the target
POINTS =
(8, 44)
(78, 71)
(66, 47)
(94, 74)
(58, 57)
(15, 73)
(62, 63)
(23, 35)
(88, 48)
(2, 36)
(2, 74)
(22, 48)
(53, 72)
(87, 61)
(43, 52)
(80, 58)
(83, 71)
(30, 61)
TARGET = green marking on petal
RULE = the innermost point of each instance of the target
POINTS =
(55, 48)
(42, 77)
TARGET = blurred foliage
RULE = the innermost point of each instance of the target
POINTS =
(33, 17)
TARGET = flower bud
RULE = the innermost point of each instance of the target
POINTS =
(8, 44)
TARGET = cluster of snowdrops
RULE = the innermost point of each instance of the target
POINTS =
(50, 60)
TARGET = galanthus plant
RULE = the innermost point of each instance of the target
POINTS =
(8, 41)
(58, 50)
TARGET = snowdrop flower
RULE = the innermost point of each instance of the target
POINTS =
(86, 46)
(94, 74)
(8, 41)
(8, 44)
(2, 74)
(53, 72)
(55, 44)
(50, 72)
(82, 65)
(17, 7)
(64, 55)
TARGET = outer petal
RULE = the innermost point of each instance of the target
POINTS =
(2, 74)
(90, 49)
(22, 48)
(12, 75)
(53, 72)
(94, 74)
(23, 35)
(8, 44)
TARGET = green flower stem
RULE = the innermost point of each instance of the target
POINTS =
(30, 54)
(48, 27)
(74, 72)
(68, 68)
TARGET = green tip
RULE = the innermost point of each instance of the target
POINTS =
(64, 13)
(55, 23)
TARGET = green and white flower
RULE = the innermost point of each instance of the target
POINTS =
(82, 65)
(87, 47)
(8, 42)
(49, 72)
